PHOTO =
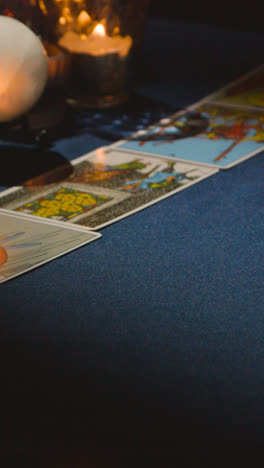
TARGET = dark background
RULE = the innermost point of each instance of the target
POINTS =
(228, 13)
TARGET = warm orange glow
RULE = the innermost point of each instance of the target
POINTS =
(83, 37)
(62, 20)
(83, 18)
(100, 158)
(43, 7)
(3, 256)
(99, 30)
(66, 13)
(116, 31)
(13, 86)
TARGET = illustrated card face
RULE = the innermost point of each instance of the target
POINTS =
(208, 134)
(64, 203)
(105, 186)
(27, 242)
(247, 92)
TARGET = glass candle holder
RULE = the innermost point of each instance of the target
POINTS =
(103, 38)
(59, 64)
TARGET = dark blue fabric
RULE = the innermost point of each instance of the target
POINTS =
(155, 332)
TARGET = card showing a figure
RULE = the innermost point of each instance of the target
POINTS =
(105, 186)
(205, 134)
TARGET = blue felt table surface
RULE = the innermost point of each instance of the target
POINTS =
(161, 320)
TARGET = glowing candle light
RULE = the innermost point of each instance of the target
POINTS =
(83, 18)
(99, 30)
(100, 57)
(98, 43)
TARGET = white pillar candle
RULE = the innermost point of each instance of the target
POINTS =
(98, 43)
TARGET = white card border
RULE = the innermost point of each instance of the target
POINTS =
(39, 220)
(157, 200)
(178, 114)
(110, 148)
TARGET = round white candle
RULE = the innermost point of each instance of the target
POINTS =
(23, 69)
(98, 43)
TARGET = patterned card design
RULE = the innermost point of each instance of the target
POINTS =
(209, 134)
(63, 204)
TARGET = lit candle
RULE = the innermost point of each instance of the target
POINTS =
(100, 61)
(97, 43)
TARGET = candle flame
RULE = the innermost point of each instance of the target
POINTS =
(84, 18)
(99, 30)
(100, 158)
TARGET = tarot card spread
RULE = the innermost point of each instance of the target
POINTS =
(205, 134)
(27, 242)
(104, 187)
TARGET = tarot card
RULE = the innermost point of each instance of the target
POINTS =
(105, 186)
(247, 92)
(205, 134)
(27, 242)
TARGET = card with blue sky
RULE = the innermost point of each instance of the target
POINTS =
(27, 242)
(206, 133)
